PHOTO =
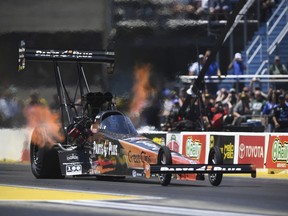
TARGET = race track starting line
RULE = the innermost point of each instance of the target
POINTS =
(18, 193)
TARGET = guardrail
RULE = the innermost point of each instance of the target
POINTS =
(265, 150)
(239, 78)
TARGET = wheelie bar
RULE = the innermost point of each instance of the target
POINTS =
(202, 168)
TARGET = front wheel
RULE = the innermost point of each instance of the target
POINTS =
(164, 158)
(215, 157)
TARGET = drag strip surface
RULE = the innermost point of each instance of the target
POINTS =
(21, 192)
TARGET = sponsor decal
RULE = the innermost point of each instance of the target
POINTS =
(72, 157)
(280, 151)
(107, 148)
(98, 148)
(277, 156)
(193, 147)
(136, 155)
(226, 144)
(75, 169)
(251, 150)
(228, 151)
(159, 140)
(173, 144)
(66, 53)
(202, 168)
(138, 158)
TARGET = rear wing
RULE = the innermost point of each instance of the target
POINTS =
(63, 56)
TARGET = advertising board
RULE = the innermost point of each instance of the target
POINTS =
(194, 147)
(277, 156)
(251, 150)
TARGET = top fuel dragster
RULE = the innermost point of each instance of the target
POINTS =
(99, 140)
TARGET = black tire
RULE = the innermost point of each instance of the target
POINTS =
(44, 159)
(215, 157)
(164, 157)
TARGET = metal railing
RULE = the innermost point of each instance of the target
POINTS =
(241, 78)
(272, 23)
(256, 47)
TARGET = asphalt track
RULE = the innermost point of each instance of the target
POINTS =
(22, 194)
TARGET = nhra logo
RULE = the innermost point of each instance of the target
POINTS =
(72, 157)
(247, 151)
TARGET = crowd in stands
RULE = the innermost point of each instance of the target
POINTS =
(220, 112)
(149, 10)
(13, 108)
(227, 110)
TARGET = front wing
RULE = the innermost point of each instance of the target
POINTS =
(200, 168)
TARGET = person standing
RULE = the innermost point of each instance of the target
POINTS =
(238, 67)
(277, 68)
(280, 116)
(213, 70)
(196, 67)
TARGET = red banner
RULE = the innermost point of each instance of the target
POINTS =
(277, 156)
(251, 150)
(194, 147)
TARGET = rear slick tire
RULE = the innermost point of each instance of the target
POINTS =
(164, 158)
(215, 158)
(44, 159)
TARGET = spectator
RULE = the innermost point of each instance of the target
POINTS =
(167, 105)
(232, 98)
(217, 122)
(280, 116)
(257, 103)
(242, 109)
(11, 109)
(277, 68)
(238, 68)
(286, 98)
(204, 8)
(196, 67)
(268, 108)
(266, 7)
(222, 8)
(208, 104)
(213, 70)
(222, 96)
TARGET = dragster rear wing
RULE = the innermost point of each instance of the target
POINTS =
(63, 56)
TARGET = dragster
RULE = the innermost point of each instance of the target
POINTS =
(100, 140)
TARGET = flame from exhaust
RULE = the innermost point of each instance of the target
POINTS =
(141, 89)
(46, 123)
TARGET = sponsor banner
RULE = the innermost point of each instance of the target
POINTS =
(226, 144)
(251, 150)
(194, 147)
(174, 142)
(277, 156)
(159, 138)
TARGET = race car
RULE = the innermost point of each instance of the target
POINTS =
(100, 140)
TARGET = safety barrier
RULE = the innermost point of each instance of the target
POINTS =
(264, 150)
(267, 151)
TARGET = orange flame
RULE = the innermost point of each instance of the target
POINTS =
(141, 89)
(46, 124)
